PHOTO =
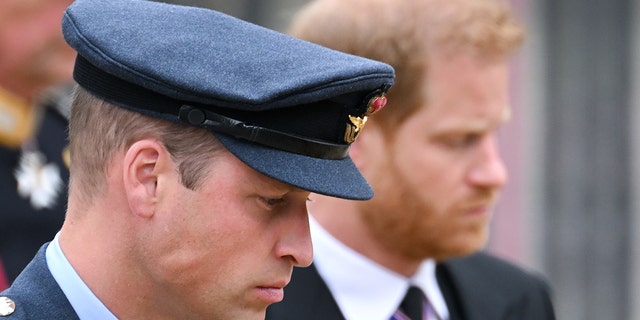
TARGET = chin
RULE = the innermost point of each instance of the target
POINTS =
(247, 315)
(258, 315)
(464, 247)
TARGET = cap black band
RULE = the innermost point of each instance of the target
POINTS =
(134, 97)
(264, 136)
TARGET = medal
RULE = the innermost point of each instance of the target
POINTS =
(38, 181)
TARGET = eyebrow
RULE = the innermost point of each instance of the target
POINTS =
(504, 118)
(476, 125)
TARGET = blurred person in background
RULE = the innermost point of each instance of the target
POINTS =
(413, 251)
(35, 80)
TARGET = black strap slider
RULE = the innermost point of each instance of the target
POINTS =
(192, 116)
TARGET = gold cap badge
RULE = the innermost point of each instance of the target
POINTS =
(353, 128)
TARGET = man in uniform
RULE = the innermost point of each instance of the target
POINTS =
(195, 140)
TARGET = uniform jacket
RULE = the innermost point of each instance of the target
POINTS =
(477, 287)
(37, 295)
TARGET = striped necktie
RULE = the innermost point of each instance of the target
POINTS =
(4, 283)
(413, 306)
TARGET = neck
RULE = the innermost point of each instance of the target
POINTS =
(102, 241)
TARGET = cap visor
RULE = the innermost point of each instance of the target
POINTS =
(336, 178)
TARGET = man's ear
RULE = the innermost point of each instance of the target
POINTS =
(144, 161)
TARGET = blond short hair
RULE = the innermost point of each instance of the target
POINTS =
(98, 130)
(403, 34)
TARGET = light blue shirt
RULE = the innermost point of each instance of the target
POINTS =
(82, 299)
(363, 289)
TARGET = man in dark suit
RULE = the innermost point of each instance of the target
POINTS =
(475, 287)
(432, 159)
(195, 141)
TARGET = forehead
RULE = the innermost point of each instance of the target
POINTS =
(17, 9)
(466, 75)
(465, 88)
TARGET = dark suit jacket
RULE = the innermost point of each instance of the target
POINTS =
(477, 287)
(37, 295)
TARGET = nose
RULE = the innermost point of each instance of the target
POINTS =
(488, 169)
(295, 243)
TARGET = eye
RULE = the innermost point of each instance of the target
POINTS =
(271, 202)
(462, 141)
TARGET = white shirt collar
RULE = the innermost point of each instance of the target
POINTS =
(86, 305)
(348, 274)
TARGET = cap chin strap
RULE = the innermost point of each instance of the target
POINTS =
(263, 136)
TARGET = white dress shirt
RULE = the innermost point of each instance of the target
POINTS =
(82, 299)
(363, 289)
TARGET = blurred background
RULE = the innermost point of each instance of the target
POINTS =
(569, 211)
(573, 152)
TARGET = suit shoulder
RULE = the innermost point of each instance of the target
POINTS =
(495, 270)
(16, 305)
(481, 284)
(36, 295)
(505, 280)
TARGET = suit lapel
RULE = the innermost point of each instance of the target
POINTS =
(450, 290)
(468, 293)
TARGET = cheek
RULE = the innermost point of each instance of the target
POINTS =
(421, 172)
(184, 237)
(233, 239)
(432, 174)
